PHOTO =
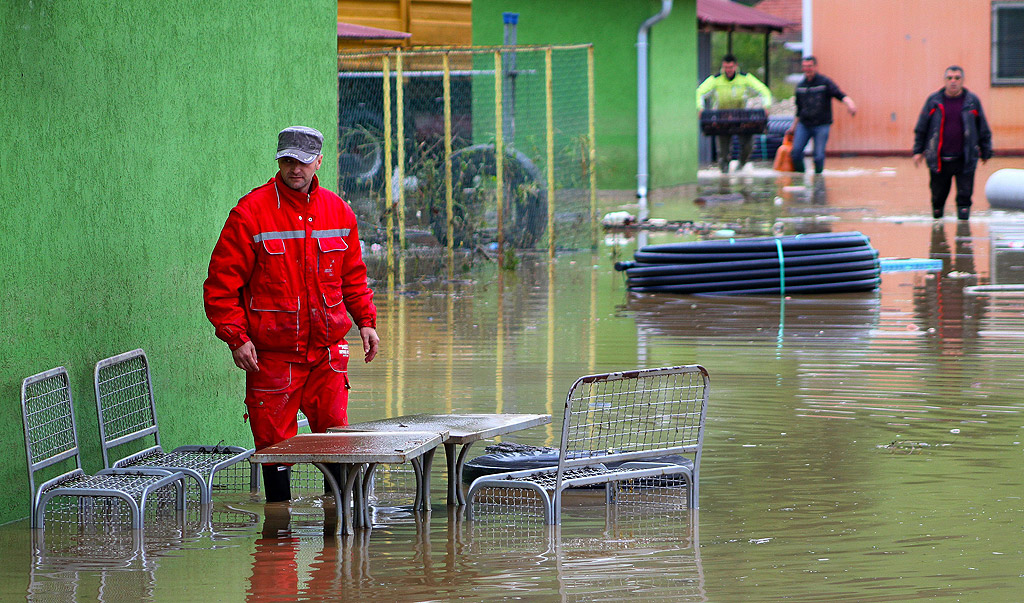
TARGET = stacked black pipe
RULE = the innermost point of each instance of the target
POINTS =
(812, 263)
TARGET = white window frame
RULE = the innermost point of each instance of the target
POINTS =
(997, 6)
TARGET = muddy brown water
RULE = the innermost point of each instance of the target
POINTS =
(859, 447)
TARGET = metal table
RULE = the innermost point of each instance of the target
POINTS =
(352, 451)
(460, 429)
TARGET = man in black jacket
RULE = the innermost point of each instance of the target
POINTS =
(813, 119)
(950, 136)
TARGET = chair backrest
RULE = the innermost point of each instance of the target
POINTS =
(124, 401)
(48, 415)
(634, 415)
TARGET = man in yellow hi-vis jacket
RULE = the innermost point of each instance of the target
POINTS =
(731, 89)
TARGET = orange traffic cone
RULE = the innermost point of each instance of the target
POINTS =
(784, 156)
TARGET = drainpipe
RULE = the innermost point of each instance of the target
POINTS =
(807, 28)
(642, 125)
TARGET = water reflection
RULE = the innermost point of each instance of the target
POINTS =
(847, 318)
(1007, 249)
(649, 552)
(942, 308)
(105, 566)
(74, 560)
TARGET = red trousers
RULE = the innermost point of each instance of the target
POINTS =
(275, 393)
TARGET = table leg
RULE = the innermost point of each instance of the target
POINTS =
(458, 473)
(342, 494)
(357, 496)
(422, 466)
(364, 506)
(455, 465)
(453, 486)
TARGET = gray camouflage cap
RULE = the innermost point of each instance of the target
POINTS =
(299, 142)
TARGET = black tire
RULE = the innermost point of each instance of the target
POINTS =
(526, 198)
(360, 149)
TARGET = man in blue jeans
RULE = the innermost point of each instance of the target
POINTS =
(813, 119)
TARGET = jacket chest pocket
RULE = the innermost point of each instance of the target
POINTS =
(272, 262)
(331, 258)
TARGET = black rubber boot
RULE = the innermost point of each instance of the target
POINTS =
(936, 212)
(277, 483)
(963, 213)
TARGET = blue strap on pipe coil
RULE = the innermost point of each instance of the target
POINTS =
(782, 269)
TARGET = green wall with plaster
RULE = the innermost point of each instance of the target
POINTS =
(130, 129)
(611, 25)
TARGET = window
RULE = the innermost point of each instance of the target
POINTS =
(1008, 43)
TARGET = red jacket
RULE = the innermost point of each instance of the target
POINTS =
(286, 272)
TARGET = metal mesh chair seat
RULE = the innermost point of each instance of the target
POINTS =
(630, 428)
(594, 474)
(127, 414)
(51, 443)
(132, 484)
(197, 462)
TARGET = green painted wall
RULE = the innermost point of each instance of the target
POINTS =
(611, 25)
(130, 129)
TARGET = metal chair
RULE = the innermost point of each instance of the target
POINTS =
(127, 412)
(631, 429)
(50, 438)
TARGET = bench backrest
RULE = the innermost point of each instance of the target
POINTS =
(634, 415)
(48, 417)
(124, 401)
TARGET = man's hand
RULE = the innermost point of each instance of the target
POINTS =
(850, 106)
(245, 357)
(918, 158)
(371, 342)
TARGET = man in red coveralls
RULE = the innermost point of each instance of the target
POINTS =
(285, 274)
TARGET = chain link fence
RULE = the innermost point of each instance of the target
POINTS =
(468, 147)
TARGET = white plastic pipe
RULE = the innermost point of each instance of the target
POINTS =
(807, 28)
(1005, 189)
(642, 125)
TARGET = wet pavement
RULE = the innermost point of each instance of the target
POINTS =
(860, 447)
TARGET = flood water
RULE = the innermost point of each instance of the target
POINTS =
(859, 447)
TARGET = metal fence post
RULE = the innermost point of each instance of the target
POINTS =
(550, 127)
(499, 158)
(390, 224)
(448, 163)
(400, 168)
(592, 151)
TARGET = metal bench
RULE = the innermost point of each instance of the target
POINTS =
(51, 440)
(617, 428)
(127, 414)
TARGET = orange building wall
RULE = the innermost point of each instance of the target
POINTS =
(431, 22)
(889, 55)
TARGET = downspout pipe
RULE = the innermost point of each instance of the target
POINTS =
(807, 28)
(642, 101)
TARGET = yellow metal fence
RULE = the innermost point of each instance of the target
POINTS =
(470, 146)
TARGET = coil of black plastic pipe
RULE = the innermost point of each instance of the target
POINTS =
(812, 263)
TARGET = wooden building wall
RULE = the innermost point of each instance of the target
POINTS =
(431, 22)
